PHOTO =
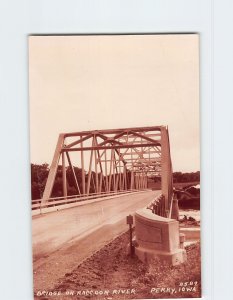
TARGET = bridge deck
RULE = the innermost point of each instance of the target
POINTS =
(62, 237)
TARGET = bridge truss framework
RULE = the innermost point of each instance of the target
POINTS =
(116, 160)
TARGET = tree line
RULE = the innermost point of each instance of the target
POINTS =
(39, 175)
(186, 177)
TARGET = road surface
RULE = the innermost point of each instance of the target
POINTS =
(63, 239)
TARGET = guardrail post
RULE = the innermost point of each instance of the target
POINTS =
(129, 220)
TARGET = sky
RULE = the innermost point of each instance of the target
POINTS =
(79, 83)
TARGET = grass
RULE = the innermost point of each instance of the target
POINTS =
(182, 281)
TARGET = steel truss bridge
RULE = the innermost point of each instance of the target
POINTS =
(112, 162)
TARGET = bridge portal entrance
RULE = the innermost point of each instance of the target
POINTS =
(113, 161)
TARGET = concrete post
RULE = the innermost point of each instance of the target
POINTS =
(158, 237)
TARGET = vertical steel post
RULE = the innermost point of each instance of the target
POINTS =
(120, 181)
(96, 174)
(89, 173)
(64, 176)
(132, 180)
(110, 173)
(106, 171)
(125, 185)
(113, 170)
(135, 180)
(100, 184)
(83, 171)
(166, 177)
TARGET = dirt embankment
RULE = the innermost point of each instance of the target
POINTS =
(111, 274)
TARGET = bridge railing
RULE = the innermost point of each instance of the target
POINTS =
(158, 206)
(56, 201)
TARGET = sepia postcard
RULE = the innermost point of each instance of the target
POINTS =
(115, 166)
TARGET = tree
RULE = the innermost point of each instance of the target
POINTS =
(39, 175)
